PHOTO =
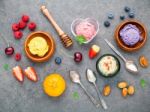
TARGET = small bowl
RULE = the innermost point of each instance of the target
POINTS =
(50, 42)
(137, 46)
(78, 21)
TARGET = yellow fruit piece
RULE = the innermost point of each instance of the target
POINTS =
(131, 90)
(54, 85)
(122, 85)
(106, 90)
(124, 92)
(143, 61)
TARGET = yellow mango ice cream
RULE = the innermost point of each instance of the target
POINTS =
(38, 46)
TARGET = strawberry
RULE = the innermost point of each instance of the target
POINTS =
(94, 50)
(17, 72)
(31, 74)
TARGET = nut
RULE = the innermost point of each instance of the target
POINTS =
(124, 92)
(143, 61)
(122, 85)
(131, 90)
(106, 90)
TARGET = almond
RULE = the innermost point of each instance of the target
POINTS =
(122, 85)
(106, 90)
(143, 61)
(131, 90)
(124, 92)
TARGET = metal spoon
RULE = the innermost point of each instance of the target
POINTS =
(92, 78)
(76, 79)
(129, 64)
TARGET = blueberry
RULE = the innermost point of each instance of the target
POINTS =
(127, 9)
(122, 17)
(58, 60)
(110, 16)
(131, 15)
(106, 23)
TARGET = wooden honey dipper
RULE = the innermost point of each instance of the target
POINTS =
(66, 40)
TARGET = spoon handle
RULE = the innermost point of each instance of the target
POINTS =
(90, 96)
(115, 50)
(104, 105)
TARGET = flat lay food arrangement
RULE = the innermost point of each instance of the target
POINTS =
(81, 63)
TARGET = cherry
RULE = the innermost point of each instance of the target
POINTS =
(9, 50)
(77, 57)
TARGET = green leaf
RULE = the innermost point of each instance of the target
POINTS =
(143, 83)
(80, 39)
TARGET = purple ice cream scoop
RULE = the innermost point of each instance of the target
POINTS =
(130, 35)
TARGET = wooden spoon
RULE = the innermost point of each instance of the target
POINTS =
(66, 40)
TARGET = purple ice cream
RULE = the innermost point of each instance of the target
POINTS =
(130, 35)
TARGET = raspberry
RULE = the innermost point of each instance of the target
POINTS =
(32, 26)
(18, 34)
(15, 27)
(17, 56)
(25, 18)
(22, 24)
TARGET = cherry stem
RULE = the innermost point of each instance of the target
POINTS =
(5, 40)
(68, 55)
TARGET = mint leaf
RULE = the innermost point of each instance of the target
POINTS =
(80, 39)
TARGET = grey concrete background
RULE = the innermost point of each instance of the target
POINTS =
(29, 97)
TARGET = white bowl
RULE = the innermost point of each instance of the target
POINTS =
(90, 20)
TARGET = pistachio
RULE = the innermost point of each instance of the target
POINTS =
(106, 90)
(143, 61)
(124, 92)
(122, 84)
(131, 90)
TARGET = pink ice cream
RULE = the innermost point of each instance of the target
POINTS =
(86, 29)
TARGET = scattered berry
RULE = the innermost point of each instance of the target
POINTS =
(122, 17)
(127, 9)
(15, 27)
(18, 74)
(58, 60)
(77, 57)
(9, 51)
(131, 15)
(110, 16)
(25, 18)
(17, 56)
(32, 26)
(22, 24)
(18, 34)
(106, 23)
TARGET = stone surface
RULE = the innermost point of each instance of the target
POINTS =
(29, 97)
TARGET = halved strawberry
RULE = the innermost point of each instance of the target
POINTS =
(94, 50)
(18, 74)
(31, 74)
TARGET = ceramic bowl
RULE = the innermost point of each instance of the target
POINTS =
(78, 21)
(50, 42)
(137, 46)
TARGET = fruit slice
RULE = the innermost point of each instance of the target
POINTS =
(54, 85)
(17, 72)
(94, 50)
(31, 74)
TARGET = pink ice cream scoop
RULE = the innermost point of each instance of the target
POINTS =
(130, 35)
(86, 29)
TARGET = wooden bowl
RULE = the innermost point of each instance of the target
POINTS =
(137, 46)
(50, 42)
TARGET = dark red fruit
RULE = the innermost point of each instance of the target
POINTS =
(77, 57)
(22, 24)
(32, 26)
(15, 27)
(25, 18)
(17, 56)
(18, 34)
(9, 51)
